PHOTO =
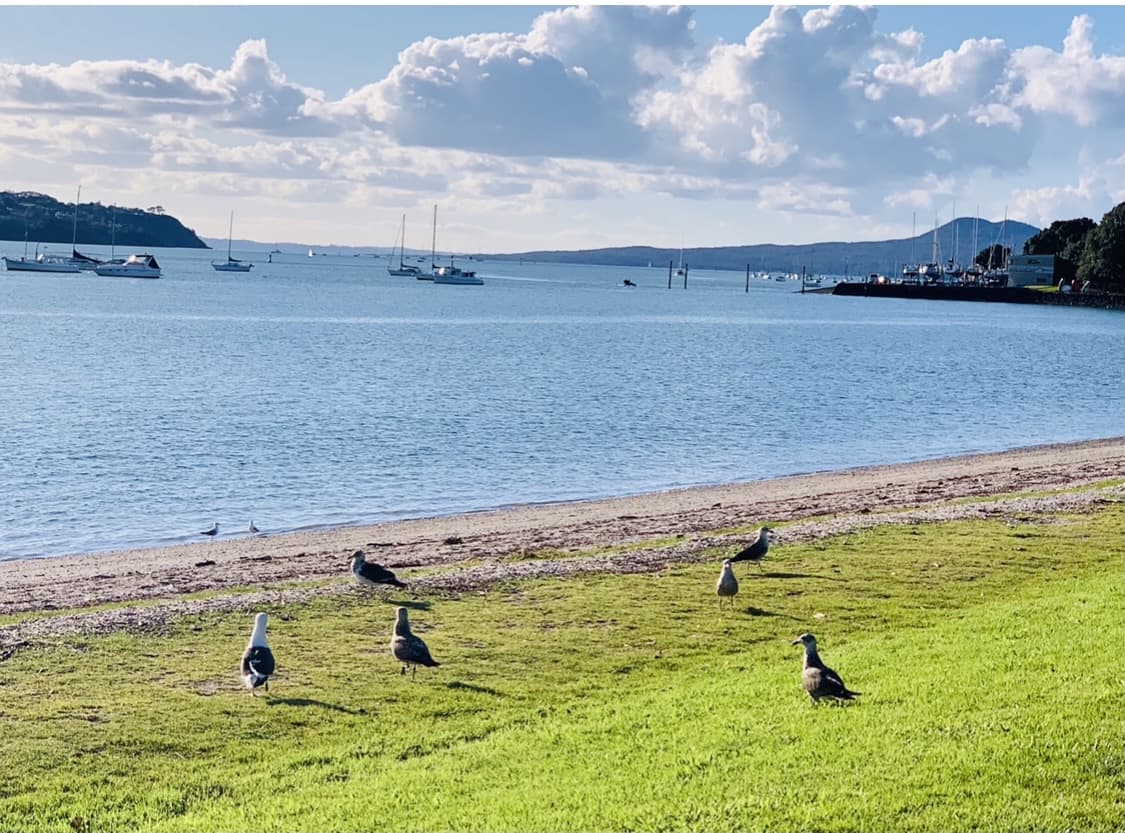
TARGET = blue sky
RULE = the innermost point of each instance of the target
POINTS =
(568, 127)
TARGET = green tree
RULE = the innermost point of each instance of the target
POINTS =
(1063, 238)
(1103, 258)
(994, 256)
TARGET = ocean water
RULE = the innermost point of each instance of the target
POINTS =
(318, 392)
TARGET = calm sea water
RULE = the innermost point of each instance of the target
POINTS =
(320, 391)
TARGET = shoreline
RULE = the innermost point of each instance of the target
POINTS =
(492, 537)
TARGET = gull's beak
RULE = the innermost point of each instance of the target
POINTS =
(795, 642)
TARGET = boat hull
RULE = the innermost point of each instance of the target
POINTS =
(123, 272)
(21, 265)
(458, 280)
(405, 272)
(232, 267)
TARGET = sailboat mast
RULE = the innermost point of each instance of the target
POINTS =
(953, 237)
(433, 242)
(74, 236)
(230, 234)
(402, 244)
(112, 231)
(913, 236)
(976, 227)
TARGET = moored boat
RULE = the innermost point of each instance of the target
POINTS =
(42, 263)
(232, 264)
(456, 275)
(404, 269)
(448, 274)
(135, 266)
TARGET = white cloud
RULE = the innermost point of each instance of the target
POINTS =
(1099, 183)
(253, 93)
(1074, 83)
(816, 112)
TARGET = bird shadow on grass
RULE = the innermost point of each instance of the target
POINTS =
(301, 702)
(792, 575)
(757, 611)
(459, 686)
(409, 604)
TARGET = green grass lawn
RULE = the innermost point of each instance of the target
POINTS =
(989, 656)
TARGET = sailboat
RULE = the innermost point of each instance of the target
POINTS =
(403, 270)
(450, 274)
(40, 263)
(232, 264)
(83, 262)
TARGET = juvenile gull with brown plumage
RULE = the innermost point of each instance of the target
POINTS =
(372, 574)
(817, 678)
(757, 549)
(257, 659)
(408, 648)
(727, 585)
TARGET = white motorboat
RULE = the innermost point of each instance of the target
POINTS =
(456, 275)
(135, 266)
(404, 269)
(232, 264)
(448, 274)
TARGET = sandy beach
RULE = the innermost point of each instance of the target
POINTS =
(453, 554)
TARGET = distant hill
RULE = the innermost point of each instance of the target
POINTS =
(886, 256)
(46, 220)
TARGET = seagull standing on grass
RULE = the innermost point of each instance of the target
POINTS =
(257, 659)
(408, 648)
(372, 574)
(818, 679)
(727, 585)
(213, 531)
(757, 550)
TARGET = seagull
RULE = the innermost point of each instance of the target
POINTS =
(252, 529)
(727, 585)
(408, 648)
(758, 549)
(818, 679)
(372, 574)
(213, 531)
(257, 659)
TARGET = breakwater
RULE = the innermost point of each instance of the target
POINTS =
(989, 294)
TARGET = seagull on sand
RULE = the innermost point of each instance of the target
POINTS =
(257, 659)
(372, 574)
(252, 529)
(727, 585)
(818, 679)
(757, 549)
(213, 531)
(408, 648)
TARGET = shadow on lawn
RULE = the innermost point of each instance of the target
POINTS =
(470, 687)
(301, 702)
(793, 575)
(757, 611)
(409, 604)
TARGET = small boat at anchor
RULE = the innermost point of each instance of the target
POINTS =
(404, 269)
(232, 264)
(135, 266)
(449, 274)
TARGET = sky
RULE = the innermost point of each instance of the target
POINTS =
(568, 127)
